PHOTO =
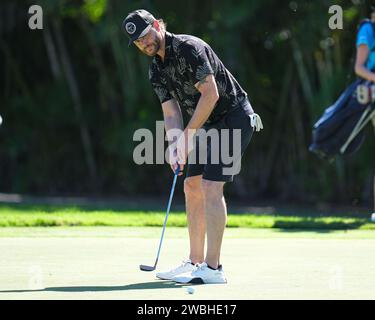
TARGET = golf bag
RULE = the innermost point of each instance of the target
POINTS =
(340, 129)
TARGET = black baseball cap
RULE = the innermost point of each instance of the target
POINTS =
(137, 24)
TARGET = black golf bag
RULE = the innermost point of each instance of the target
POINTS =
(340, 129)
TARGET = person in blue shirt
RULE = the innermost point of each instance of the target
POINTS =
(365, 58)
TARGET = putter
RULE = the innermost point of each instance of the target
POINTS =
(152, 268)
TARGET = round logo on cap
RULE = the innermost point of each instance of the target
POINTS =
(130, 27)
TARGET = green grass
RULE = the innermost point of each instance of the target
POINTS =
(37, 216)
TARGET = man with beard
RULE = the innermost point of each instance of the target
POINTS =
(185, 72)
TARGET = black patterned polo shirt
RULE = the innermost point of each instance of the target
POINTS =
(187, 61)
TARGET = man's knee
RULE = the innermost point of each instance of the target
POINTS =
(212, 189)
(193, 186)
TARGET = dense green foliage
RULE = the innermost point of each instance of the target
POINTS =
(73, 93)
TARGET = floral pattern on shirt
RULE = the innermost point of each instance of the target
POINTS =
(189, 60)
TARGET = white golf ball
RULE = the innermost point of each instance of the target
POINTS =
(190, 290)
(1, 120)
(373, 217)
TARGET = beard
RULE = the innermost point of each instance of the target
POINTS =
(152, 49)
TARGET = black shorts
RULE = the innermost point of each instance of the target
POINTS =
(221, 161)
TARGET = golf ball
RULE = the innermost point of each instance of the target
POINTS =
(373, 217)
(190, 290)
(1, 120)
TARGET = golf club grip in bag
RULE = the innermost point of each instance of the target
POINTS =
(340, 129)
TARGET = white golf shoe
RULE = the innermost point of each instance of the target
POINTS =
(185, 267)
(202, 274)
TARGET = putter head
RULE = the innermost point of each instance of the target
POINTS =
(146, 268)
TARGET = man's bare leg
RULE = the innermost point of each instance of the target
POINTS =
(216, 219)
(196, 217)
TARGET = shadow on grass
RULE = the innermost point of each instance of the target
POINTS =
(293, 223)
(317, 226)
(144, 204)
(135, 286)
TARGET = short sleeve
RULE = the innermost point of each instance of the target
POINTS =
(159, 85)
(198, 63)
(365, 35)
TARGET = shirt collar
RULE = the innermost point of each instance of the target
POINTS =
(168, 49)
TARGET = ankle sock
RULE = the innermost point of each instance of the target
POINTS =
(212, 268)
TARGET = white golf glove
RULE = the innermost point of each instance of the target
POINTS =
(256, 122)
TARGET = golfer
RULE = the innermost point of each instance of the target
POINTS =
(365, 58)
(186, 73)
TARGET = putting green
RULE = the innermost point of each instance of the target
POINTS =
(102, 263)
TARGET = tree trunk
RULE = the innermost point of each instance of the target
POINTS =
(51, 52)
(303, 75)
(76, 97)
(277, 129)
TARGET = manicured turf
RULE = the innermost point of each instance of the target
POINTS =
(34, 216)
(103, 263)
